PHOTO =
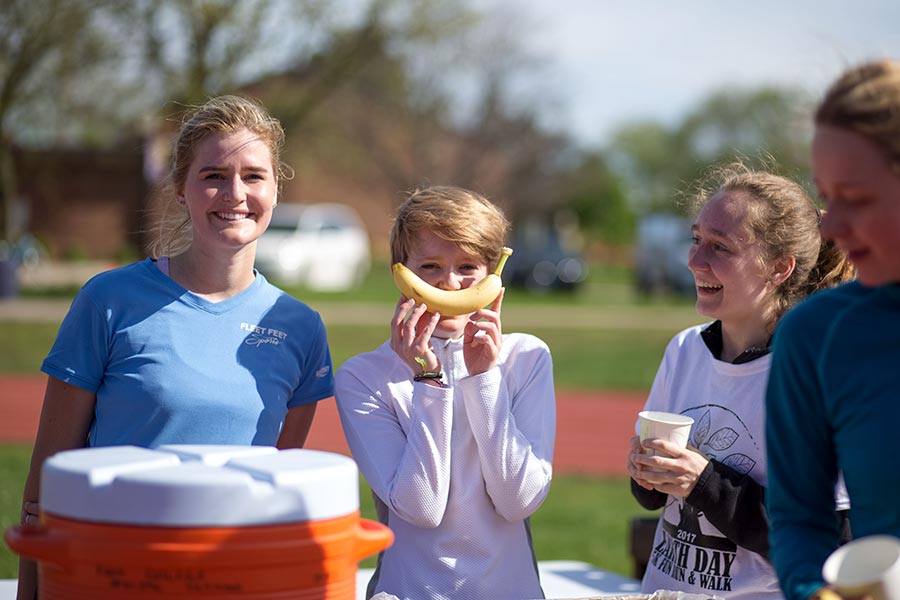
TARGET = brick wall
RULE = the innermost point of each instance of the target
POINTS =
(82, 202)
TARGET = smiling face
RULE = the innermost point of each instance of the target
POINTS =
(862, 200)
(229, 190)
(444, 265)
(733, 282)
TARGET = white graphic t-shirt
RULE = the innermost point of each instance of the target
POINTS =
(727, 403)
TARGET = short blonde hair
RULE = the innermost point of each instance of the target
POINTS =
(222, 114)
(457, 215)
(866, 100)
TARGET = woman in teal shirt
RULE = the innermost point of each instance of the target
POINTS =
(833, 402)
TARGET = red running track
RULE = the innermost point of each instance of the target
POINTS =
(592, 427)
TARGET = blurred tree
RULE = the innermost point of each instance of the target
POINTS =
(191, 50)
(766, 126)
(420, 128)
(507, 152)
(59, 55)
(596, 196)
(48, 48)
(651, 162)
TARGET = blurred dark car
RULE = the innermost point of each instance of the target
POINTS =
(661, 255)
(542, 261)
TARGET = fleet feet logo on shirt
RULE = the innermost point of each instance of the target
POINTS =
(260, 336)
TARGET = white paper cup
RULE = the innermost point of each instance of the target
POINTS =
(869, 566)
(665, 426)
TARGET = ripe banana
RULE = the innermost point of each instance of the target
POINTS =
(450, 302)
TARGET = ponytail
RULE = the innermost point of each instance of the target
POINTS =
(832, 268)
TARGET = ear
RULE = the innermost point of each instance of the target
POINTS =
(180, 199)
(782, 269)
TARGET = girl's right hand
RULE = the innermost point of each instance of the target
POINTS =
(411, 333)
(635, 467)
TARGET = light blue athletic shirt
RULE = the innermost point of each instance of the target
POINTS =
(171, 367)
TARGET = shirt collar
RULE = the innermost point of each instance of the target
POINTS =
(712, 336)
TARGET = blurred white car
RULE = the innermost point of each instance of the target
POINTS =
(322, 247)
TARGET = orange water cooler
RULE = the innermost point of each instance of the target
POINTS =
(188, 522)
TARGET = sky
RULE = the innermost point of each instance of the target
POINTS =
(607, 62)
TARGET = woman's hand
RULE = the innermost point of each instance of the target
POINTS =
(31, 513)
(411, 331)
(482, 338)
(636, 468)
(671, 470)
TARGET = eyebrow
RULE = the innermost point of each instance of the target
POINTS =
(215, 169)
(441, 258)
(716, 232)
(436, 258)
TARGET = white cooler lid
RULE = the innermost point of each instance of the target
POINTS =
(192, 485)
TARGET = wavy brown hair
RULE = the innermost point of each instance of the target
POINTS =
(783, 217)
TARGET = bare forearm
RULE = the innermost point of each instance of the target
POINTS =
(297, 424)
(66, 418)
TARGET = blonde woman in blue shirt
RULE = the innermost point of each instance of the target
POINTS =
(192, 345)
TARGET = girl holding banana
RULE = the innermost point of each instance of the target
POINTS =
(451, 421)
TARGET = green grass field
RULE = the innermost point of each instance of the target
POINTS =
(603, 337)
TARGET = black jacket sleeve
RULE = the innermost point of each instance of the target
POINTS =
(735, 504)
(649, 499)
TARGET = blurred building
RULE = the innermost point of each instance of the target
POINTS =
(83, 203)
(352, 149)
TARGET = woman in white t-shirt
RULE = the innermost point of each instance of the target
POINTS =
(756, 251)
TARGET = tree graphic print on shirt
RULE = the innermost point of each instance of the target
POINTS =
(688, 548)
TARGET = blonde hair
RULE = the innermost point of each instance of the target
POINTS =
(457, 215)
(783, 217)
(866, 100)
(222, 114)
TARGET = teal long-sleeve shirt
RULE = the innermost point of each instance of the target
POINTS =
(832, 404)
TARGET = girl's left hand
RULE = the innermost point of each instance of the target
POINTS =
(673, 470)
(482, 338)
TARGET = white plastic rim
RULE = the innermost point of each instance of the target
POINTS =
(199, 486)
(863, 561)
(666, 417)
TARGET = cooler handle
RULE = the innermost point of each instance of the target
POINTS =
(36, 542)
(371, 537)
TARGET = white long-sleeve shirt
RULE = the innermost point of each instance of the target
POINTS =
(456, 471)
